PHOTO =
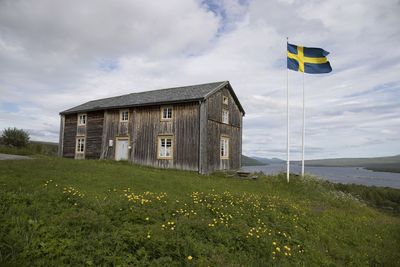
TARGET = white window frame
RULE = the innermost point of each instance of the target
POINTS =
(121, 115)
(224, 147)
(81, 121)
(162, 150)
(80, 146)
(225, 100)
(225, 116)
(166, 118)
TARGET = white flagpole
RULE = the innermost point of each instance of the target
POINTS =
(304, 132)
(287, 141)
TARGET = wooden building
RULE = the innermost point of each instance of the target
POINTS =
(196, 127)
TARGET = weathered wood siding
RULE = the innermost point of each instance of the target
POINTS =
(215, 106)
(113, 128)
(184, 127)
(61, 138)
(216, 129)
(94, 132)
(203, 158)
(69, 135)
(196, 129)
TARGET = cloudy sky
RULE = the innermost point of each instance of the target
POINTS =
(58, 54)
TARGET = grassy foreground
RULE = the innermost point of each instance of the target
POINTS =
(56, 212)
(33, 148)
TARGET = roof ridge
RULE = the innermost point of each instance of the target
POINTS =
(161, 89)
(175, 87)
(163, 95)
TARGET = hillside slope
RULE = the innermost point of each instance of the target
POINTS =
(269, 161)
(57, 212)
(247, 161)
(377, 164)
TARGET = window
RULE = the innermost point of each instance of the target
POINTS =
(166, 113)
(224, 148)
(81, 119)
(80, 145)
(124, 115)
(165, 147)
(225, 116)
(225, 100)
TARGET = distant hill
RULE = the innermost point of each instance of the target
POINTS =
(258, 161)
(44, 143)
(247, 161)
(390, 164)
(269, 161)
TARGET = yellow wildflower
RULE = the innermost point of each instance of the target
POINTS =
(190, 257)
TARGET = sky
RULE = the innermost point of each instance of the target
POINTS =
(58, 54)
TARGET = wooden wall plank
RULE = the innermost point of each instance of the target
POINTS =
(203, 160)
(185, 130)
(61, 139)
(216, 129)
(70, 135)
(110, 132)
(94, 131)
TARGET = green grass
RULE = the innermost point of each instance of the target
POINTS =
(56, 212)
(33, 148)
(383, 198)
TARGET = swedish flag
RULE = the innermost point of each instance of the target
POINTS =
(307, 59)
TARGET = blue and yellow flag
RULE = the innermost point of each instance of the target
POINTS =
(307, 59)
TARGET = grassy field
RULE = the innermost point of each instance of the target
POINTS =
(33, 148)
(56, 212)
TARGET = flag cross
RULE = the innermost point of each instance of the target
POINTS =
(301, 59)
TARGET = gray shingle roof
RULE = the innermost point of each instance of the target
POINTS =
(161, 96)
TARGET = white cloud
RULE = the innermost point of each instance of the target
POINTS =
(63, 53)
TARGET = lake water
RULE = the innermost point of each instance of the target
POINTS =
(345, 175)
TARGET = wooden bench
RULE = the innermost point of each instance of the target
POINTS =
(246, 174)
(243, 174)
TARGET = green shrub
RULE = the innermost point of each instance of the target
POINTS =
(15, 137)
(383, 198)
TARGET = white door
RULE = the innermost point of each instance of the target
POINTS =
(121, 149)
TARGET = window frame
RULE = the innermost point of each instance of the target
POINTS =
(121, 112)
(226, 150)
(225, 100)
(159, 148)
(79, 119)
(77, 145)
(162, 113)
(224, 110)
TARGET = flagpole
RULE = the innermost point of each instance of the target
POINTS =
(304, 132)
(288, 140)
